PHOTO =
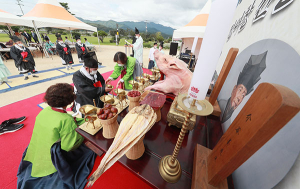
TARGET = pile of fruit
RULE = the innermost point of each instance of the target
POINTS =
(107, 112)
(134, 94)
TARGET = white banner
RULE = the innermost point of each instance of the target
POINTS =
(217, 29)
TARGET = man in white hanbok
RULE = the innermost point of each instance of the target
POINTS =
(138, 47)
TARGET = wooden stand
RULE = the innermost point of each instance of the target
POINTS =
(158, 114)
(221, 79)
(88, 127)
(110, 127)
(136, 151)
(134, 101)
(270, 108)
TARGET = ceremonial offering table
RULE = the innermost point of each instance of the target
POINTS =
(160, 141)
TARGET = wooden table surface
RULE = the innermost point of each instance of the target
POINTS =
(160, 141)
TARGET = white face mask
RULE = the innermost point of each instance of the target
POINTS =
(94, 72)
(20, 45)
(79, 41)
(121, 65)
(155, 47)
(136, 37)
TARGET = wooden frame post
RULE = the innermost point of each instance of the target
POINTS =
(269, 109)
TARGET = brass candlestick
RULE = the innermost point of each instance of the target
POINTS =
(169, 167)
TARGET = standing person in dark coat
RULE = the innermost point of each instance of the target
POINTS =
(46, 37)
(64, 52)
(23, 58)
(34, 36)
(88, 84)
(80, 48)
(27, 36)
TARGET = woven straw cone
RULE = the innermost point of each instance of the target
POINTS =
(134, 102)
(110, 127)
(136, 151)
(158, 114)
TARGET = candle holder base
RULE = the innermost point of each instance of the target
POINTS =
(170, 172)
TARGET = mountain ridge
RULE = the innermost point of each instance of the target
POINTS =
(111, 25)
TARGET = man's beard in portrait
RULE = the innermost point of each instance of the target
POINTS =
(228, 111)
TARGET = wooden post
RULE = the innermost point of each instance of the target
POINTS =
(270, 108)
(223, 74)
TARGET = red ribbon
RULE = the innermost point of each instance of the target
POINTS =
(65, 49)
(24, 54)
(83, 49)
(98, 84)
(124, 72)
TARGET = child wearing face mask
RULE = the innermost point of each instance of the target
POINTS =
(88, 84)
(23, 58)
(80, 48)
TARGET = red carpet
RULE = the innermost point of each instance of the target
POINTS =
(14, 144)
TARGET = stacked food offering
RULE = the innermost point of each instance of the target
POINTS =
(132, 128)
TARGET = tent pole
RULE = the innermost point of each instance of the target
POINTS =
(10, 30)
(71, 35)
(40, 39)
(181, 46)
(98, 40)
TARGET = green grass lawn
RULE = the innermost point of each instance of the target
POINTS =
(93, 40)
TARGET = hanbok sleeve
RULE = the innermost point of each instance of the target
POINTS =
(16, 56)
(129, 69)
(138, 44)
(69, 49)
(79, 50)
(70, 139)
(86, 89)
(117, 72)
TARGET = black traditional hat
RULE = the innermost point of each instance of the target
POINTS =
(77, 37)
(15, 39)
(90, 60)
(161, 44)
(136, 31)
(250, 74)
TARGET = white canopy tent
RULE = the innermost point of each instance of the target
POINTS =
(9, 20)
(49, 13)
(195, 28)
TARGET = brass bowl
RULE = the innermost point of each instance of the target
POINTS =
(120, 91)
(146, 75)
(107, 99)
(110, 86)
(121, 97)
(88, 109)
(135, 85)
(138, 78)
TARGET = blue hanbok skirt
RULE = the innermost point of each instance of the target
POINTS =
(72, 168)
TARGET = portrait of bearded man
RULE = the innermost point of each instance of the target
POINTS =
(248, 77)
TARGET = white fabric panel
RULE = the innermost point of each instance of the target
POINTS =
(13, 20)
(206, 8)
(188, 43)
(62, 24)
(189, 32)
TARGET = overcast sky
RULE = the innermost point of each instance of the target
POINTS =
(173, 13)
